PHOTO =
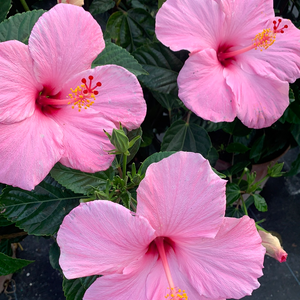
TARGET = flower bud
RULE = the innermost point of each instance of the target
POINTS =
(272, 245)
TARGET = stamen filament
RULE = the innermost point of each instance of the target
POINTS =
(159, 241)
(226, 55)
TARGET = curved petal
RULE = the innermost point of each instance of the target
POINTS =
(245, 19)
(120, 96)
(158, 286)
(191, 25)
(203, 89)
(182, 197)
(29, 150)
(282, 58)
(86, 145)
(261, 99)
(63, 42)
(228, 265)
(19, 88)
(101, 237)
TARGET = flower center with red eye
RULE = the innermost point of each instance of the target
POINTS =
(262, 40)
(83, 96)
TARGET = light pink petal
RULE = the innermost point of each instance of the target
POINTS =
(157, 284)
(19, 88)
(244, 19)
(182, 197)
(282, 58)
(120, 97)
(86, 145)
(203, 89)
(101, 237)
(261, 99)
(29, 149)
(228, 265)
(63, 42)
(128, 286)
(191, 25)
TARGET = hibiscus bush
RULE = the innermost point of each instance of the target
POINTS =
(132, 132)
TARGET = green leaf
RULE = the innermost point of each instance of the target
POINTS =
(221, 175)
(233, 193)
(80, 182)
(182, 136)
(41, 211)
(236, 168)
(237, 128)
(101, 6)
(5, 6)
(74, 289)
(168, 101)
(295, 167)
(237, 148)
(113, 54)
(259, 202)
(257, 148)
(135, 148)
(54, 254)
(131, 29)
(156, 157)
(9, 265)
(19, 26)
(162, 65)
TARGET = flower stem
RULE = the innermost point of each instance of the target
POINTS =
(24, 4)
(124, 165)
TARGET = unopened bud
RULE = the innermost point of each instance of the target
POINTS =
(272, 245)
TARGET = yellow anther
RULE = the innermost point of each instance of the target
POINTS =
(176, 294)
(264, 39)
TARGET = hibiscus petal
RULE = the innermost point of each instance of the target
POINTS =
(29, 150)
(158, 286)
(63, 42)
(131, 285)
(120, 96)
(101, 237)
(261, 99)
(182, 197)
(203, 89)
(85, 143)
(191, 25)
(19, 88)
(282, 58)
(228, 265)
(245, 19)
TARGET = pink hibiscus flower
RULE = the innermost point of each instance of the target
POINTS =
(53, 107)
(74, 2)
(178, 242)
(242, 58)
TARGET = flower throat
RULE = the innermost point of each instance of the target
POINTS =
(262, 40)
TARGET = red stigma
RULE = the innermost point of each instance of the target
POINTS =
(276, 25)
(88, 87)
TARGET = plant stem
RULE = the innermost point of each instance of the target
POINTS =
(24, 4)
(244, 206)
(124, 165)
(188, 117)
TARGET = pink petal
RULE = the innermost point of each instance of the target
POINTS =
(158, 286)
(85, 143)
(131, 285)
(228, 265)
(191, 25)
(63, 42)
(261, 99)
(282, 58)
(101, 237)
(19, 88)
(120, 97)
(182, 197)
(203, 90)
(244, 19)
(29, 150)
